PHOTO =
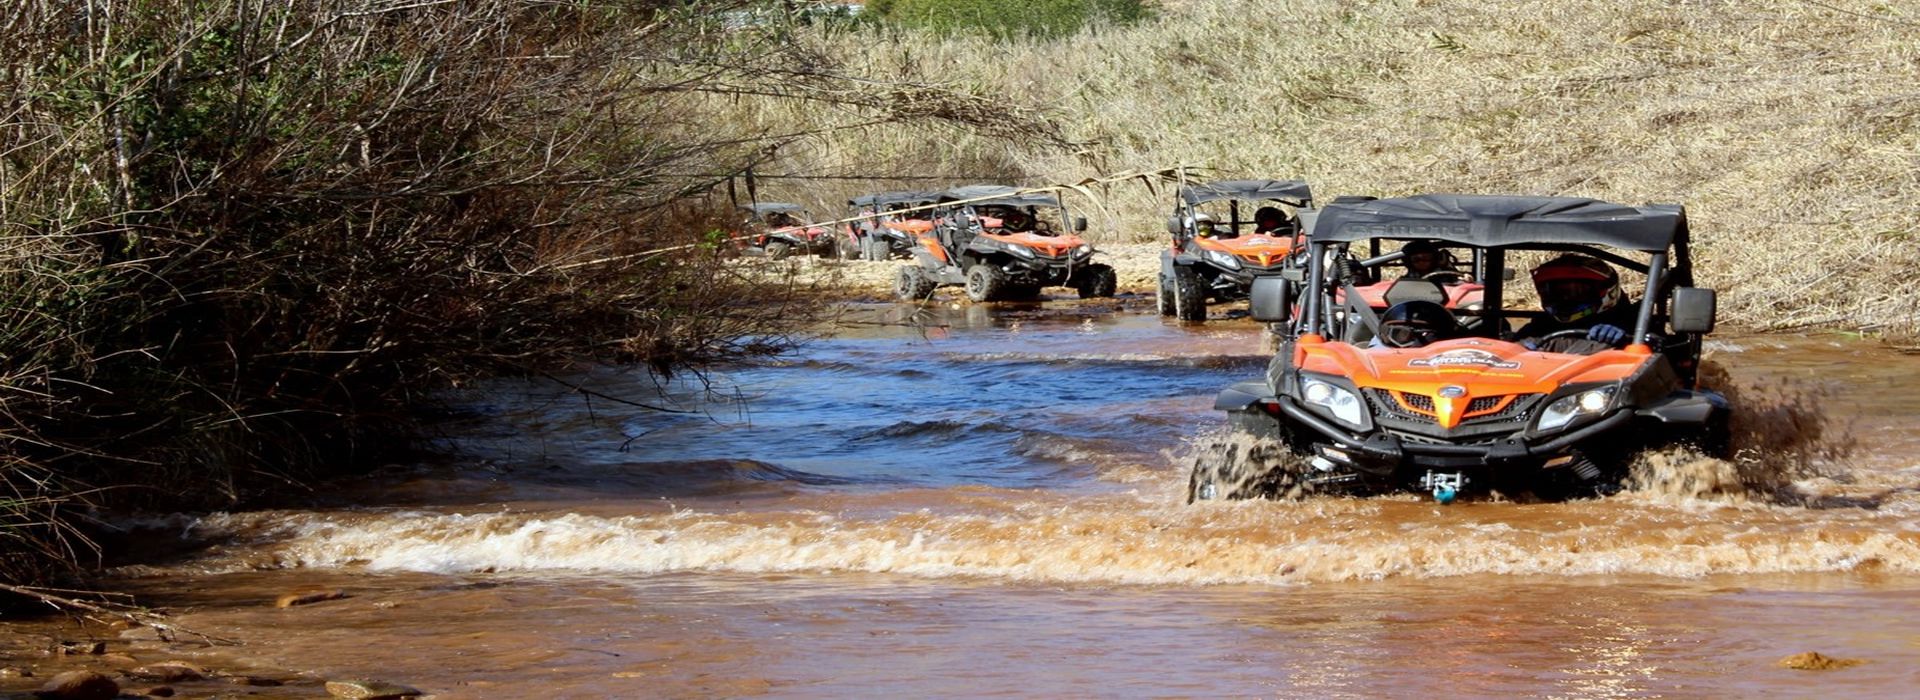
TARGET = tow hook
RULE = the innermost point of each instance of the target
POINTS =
(1446, 487)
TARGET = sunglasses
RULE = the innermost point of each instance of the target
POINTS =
(1403, 335)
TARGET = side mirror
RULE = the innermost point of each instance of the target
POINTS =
(1173, 226)
(1694, 310)
(1079, 223)
(1269, 300)
(1507, 274)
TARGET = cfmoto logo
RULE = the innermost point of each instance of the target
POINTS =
(1452, 391)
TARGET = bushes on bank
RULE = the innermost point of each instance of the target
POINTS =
(241, 240)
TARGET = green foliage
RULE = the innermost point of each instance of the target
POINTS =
(1009, 19)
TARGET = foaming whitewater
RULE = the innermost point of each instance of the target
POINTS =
(1003, 494)
(1130, 539)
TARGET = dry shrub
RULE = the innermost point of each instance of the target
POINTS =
(243, 241)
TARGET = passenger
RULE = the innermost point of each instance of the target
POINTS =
(1424, 258)
(1203, 227)
(1016, 221)
(1413, 324)
(1578, 292)
(1270, 221)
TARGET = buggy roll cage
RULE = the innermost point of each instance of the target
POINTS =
(1293, 193)
(1490, 226)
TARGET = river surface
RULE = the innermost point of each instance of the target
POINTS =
(990, 502)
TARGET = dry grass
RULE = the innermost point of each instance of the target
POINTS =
(1791, 129)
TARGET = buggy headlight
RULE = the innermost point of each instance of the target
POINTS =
(1084, 249)
(1020, 250)
(1566, 408)
(1223, 259)
(1337, 400)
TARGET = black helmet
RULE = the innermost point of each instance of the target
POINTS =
(1422, 247)
(1419, 246)
(1266, 214)
(1411, 324)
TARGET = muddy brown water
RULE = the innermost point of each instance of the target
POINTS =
(993, 506)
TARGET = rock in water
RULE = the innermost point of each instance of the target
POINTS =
(308, 597)
(1816, 661)
(370, 690)
(80, 685)
(169, 672)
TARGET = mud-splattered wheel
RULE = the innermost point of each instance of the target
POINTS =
(1253, 460)
(1097, 281)
(778, 249)
(986, 283)
(1163, 295)
(912, 284)
(1241, 467)
(1189, 294)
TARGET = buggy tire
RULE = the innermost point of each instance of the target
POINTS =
(911, 284)
(1098, 282)
(778, 249)
(1163, 294)
(1189, 294)
(1244, 465)
(986, 283)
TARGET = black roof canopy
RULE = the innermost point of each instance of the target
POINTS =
(1490, 221)
(878, 198)
(999, 194)
(1294, 192)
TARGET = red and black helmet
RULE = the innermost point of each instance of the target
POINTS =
(1575, 286)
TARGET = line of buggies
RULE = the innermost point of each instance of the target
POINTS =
(999, 243)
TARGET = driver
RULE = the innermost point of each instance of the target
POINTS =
(1413, 324)
(1578, 292)
(1016, 220)
(1424, 258)
(1270, 221)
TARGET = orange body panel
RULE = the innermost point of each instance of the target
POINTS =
(1458, 295)
(1258, 249)
(1487, 374)
(1051, 245)
(910, 225)
(806, 232)
(932, 243)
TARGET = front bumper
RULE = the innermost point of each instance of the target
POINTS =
(1051, 271)
(1381, 452)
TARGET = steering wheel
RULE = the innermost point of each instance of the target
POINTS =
(1445, 277)
(1580, 333)
(1042, 226)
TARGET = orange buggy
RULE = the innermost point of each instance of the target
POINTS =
(1480, 412)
